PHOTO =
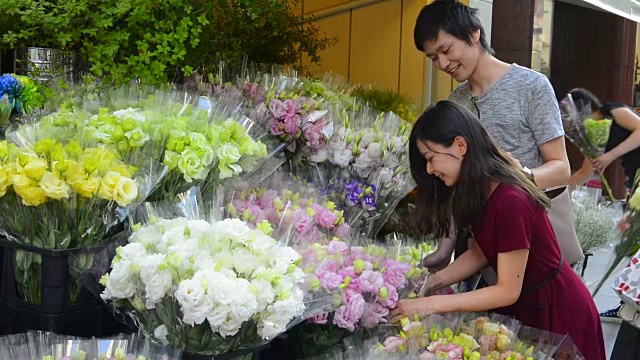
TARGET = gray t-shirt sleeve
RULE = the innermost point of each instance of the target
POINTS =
(543, 113)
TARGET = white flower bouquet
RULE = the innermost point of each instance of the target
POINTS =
(210, 286)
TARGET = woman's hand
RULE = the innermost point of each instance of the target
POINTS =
(624, 224)
(421, 307)
(601, 162)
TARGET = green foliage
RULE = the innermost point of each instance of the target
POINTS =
(385, 100)
(55, 24)
(158, 41)
(267, 31)
(148, 39)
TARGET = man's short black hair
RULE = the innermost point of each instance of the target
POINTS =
(452, 17)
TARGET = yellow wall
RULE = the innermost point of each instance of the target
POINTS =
(376, 47)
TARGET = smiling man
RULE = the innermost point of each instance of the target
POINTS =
(517, 105)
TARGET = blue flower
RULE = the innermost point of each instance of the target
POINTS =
(10, 85)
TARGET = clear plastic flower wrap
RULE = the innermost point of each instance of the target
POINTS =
(288, 205)
(276, 102)
(472, 336)
(589, 135)
(595, 223)
(50, 346)
(333, 88)
(63, 195)
(189, 279)
(199, 139)
(629, 244)
(365, 279)
(244, 149)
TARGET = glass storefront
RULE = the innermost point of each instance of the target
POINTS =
(542, 35)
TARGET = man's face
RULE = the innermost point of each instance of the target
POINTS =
(454, 56)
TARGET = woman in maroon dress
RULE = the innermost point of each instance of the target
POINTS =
(466, 181)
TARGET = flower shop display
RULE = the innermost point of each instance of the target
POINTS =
(288, 204)
(474, 337)
(212, 286)
(64, 196)
(50, 346)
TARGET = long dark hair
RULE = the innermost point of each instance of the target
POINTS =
(484, 161)
(583, 97)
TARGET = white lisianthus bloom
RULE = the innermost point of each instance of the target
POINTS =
(193, 300)
(121, 284)
(157, 287)
(264, 293)
(131, 252)
(234, 229)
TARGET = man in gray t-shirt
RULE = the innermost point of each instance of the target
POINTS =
(517, 105)
(519, 110)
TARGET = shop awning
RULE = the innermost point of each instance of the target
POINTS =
(629, 9)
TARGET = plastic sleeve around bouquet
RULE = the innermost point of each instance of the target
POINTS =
(50, 346)
(244, 148)
(596, 228)
(294, 209)
(209, 286)
(67, 195)
(365, 281)
(297, 120)
(590, 136)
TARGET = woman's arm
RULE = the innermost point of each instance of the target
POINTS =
(462, 268)
(511, 267)
(442, 256)
(627, 119)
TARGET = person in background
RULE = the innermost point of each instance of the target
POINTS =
(623, 142)
(517, 106)
(463, 174)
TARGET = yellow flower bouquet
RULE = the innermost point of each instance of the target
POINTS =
(64, 196)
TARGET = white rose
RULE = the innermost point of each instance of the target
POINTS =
(262, 243)
(121, 284)
(147, 236)
(157, 287)
(186, 249)
(161, 334)
(283, 257)
(278, 315)
(193, 302)
(53, 186)
(126, 191)
(173, 235)
(203, 261)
